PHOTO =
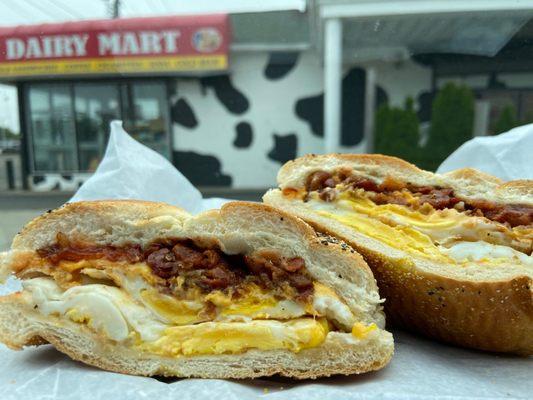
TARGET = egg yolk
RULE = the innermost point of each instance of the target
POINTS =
(236, 337)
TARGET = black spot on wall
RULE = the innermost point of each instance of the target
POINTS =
(244, 135)
(425, 101)
(284, 149)
(67, 177)
(36, 179)
(353, 107)
(201, 170)
(234, 100)
(311, 109)
(182, 113)
(280, 64)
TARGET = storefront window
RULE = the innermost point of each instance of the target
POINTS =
(96, 106)
(149, 116)
(69, 122)
(54, 142)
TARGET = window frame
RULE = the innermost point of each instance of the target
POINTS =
(125, 83)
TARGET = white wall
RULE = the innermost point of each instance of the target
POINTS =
(401, 80)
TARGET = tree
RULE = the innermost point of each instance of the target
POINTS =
(397, 131)
(506, 120)
(452, 121)
(6, 133)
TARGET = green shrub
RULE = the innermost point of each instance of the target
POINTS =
(452, 121)
(397, 131)
(506, 120)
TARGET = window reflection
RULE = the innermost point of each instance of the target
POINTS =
(96, 106)
(52, 125)
(148, 123)
(70, 122)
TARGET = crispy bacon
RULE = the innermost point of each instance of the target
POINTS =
(206, 268)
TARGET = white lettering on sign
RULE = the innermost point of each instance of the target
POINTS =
(46, 47)
(80, 44)
(170, 38)
(130, 44)
(150, 42)
(33, 48)
(14, 49)
(109, 43)
(135, 43)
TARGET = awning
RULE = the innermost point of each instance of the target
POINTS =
(399, 37)
(157, 45)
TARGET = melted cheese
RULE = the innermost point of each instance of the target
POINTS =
(361, 331)
(172, 310)
(399, 237)
(237, 337)
(423, 234)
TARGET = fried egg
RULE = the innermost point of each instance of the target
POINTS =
(162, 324)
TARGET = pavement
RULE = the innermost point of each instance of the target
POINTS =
(19, 207)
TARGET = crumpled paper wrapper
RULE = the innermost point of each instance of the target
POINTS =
(507, 156)
(420, 368)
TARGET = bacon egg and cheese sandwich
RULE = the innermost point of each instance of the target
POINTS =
(145, 288)
(451, 252)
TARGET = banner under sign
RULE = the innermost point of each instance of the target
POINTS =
(120, 46)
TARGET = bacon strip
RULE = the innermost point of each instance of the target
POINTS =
(206, 268)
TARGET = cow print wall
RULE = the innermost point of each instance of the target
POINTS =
(237, 129)
(244, 136)
(280, 64)
(64, 182)
(182, 114)
(268, 111)
(352, 106)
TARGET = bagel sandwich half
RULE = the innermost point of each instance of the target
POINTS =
(451, 252)
(147, 289)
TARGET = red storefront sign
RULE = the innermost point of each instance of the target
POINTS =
(119, 46)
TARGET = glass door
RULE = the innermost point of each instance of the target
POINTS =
(146, 116)
(52, 126)
(96, 106)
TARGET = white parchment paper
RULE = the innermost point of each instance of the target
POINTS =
(420, 368)
(508, 156)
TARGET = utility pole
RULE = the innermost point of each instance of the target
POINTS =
(113, 8)
(116, 9)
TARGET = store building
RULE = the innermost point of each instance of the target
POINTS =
(229, 98)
